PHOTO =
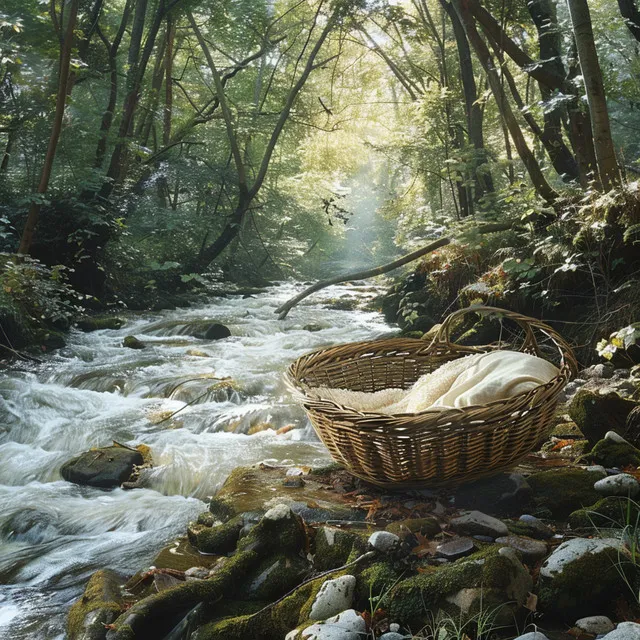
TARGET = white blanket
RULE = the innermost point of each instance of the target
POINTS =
(473, 380)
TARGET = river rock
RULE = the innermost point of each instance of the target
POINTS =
(582, 575)
(99, 606)
(456, 548)
(131, 342)
(531, 550)
(613, 511)
(334, 596)
(384, 541)
(595, 625)
(532, 635)
(334, 546)
(218, 540)
(216, 331)
(96, 323)
(502, 494)
(597, 413)
(622, 484)
(478, 523)
(530, 526)
(624, 631)
(348, 625)
(613, 451)
(106, 467)
(275, 576)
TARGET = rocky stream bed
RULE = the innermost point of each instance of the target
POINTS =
(228, 520)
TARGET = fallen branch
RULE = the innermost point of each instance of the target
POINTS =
(377, 271)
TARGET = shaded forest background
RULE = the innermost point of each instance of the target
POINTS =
(150, 147)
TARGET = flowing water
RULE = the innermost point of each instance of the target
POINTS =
(54, 534)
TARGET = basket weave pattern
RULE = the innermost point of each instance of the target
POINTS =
(431, 448)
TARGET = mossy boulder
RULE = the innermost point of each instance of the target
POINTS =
(611, 453)
(613, 512)
(219, 540)
(106, 467)
(582, 576)
(222, 508)
(562, 491)
(279, 530)
(131, 342)
(275, 576)
(491, 578)
(596, 413)
(100, 605)
(335, 547)
(96, 323)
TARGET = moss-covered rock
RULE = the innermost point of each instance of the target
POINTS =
(427, 527)
(280, 530)
(100, 605)
(335, 547)
(96, 323)
(106, 467)
(582, 576)
(613, 512)
(488, 579)
(596, 413)
(131, 342)
(275, 576)
(610, 453)
(561, 491)
(218, 540)
(222, 508)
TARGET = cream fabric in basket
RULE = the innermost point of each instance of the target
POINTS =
(473, 380)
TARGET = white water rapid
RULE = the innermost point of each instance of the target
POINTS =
(54, 534)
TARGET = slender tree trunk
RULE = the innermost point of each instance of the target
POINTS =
(605, 153)
(168, 82)
(63, 80)
(8, 150)
(542, 187)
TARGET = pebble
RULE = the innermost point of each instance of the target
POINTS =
(530, 549)
(279, 512)
(483, 538)
(595, 624)
(624, 631)
(537, 528)
(478, 523)
(456, 548)
(394, 627)
(334, 597)
(532, 635)
(622, 484)
(347, 625)
(384, 541)
(196, 573)
(597, 468)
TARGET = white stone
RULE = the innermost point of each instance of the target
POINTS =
(295, 471)
(595, 624)
(597, 468)
(394, 627)
(384, 541)
(532, 635)
(348, 625)
(573, 549)
(614, 437)
(334, 597)
(392, 635)
(329, 536)
(279, 512)
(625, 631)
(622, 484)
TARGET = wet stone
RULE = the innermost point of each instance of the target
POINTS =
(334, 597)
(531, 550)
(293, 482)
(478, 523)
(532, 635)
(533, 527)
(456, 548)
(106, 468)
(621, 484)
(595, 624)
(384, 541)
(624, 631)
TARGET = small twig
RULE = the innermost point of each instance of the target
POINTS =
(124, 446)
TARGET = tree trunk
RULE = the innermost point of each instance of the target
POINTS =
(605, 153)
(168, 82)
(629, 11)
(12, 134)
(63, 81)
(473, 110)
(542, 187)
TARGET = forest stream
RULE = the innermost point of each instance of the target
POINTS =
(54, 534)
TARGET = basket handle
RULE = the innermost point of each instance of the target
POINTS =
(530, 344)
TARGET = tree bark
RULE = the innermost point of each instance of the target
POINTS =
(168, 82)
(542, 187)
(45, 175)
(608, 169)
(629, 11)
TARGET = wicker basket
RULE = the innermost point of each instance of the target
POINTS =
(431, 448)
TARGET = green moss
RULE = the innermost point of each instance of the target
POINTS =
(375, 580)
(275, 576)
(131, 342)
(561, 491)
(335, 547)
(222, 508)
(428, 527)
(279, 535)
(102, 594)
(590, 583)
(219, 540)
(614, 512)
(327, 469)
(95, 323)
(596, 413)
(615, 454)
(206, 519)
(233, 628)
